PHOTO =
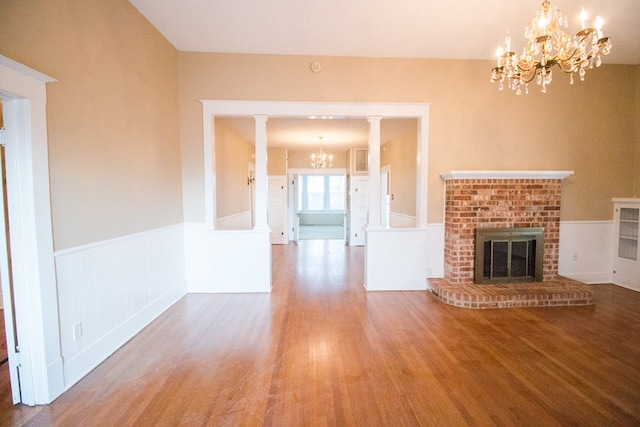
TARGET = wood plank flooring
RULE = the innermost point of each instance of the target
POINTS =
(320, 350)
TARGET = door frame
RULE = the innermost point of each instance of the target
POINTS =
(23, 91)
(294, 175)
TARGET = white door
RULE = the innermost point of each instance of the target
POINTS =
(277, 210)
(359, 210)
(294, 218)
(347, 212)
(7, 289)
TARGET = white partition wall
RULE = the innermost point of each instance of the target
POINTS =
(396, 259)
(227, 261)
(240, 261)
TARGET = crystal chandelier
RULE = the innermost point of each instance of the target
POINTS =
(320, 159)
(548, 45)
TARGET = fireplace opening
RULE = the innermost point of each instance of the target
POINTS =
(505, 255)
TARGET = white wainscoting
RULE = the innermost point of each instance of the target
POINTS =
(396, 259)
(435, 250)
(227, 261)
(113, 289)
(586, 251)
(398, 220)
(239, 221)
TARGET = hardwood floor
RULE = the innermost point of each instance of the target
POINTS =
(320, 350)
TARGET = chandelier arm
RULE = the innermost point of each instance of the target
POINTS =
(563, 67)
(525, 77)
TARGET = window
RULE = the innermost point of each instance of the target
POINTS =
(321, 193)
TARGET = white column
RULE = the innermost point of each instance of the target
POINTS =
(375, 204)
(261, 173)
(422, 171)
(209, 133)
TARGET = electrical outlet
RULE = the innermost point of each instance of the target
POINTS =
(575, 256)
(77, 331)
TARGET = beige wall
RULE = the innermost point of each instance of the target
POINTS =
(302, 159)
(400, 154)
(232, 155)
(112, 115)
(588, 127)
(276, 161)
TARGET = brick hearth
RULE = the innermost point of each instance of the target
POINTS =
(556, 293)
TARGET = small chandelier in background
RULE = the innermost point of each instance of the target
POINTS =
(320, 159)
(548, 45)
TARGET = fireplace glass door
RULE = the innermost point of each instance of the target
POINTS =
(509, 259)
(508, 255)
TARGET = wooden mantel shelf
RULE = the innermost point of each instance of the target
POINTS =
(505, 174)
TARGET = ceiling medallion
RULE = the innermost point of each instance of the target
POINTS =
(315, 67)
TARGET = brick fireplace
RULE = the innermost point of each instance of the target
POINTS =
(499, 199)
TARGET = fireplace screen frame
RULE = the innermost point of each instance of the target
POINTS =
(509, 235)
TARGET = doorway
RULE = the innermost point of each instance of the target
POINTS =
(9, 381)
(321, 206)
(384, 262)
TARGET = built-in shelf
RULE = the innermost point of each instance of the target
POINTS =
(626, 265)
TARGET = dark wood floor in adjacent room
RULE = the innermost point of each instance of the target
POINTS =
(320, 350)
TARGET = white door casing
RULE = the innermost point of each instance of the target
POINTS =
(35, 297)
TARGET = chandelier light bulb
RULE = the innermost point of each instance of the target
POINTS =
(542, 23)
(583, 18)
(599, 23)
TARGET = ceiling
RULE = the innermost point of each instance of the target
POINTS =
(451, 29)
(454, 29)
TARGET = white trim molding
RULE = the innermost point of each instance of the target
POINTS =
(505, 174)
(35, 293)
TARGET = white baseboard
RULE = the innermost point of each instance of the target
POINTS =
(589, 278)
